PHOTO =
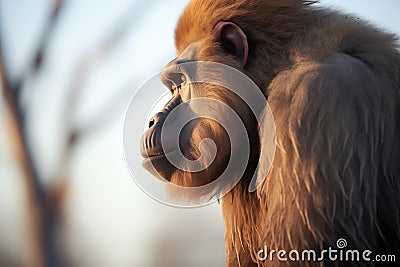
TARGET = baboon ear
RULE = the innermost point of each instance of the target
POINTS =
(233, 40)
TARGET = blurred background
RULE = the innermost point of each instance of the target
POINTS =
(68, 71)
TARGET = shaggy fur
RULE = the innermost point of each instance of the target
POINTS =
(332, 82)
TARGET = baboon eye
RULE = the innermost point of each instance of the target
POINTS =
(177, 81)
(183, 79)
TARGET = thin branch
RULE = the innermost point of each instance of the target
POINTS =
(40, 222)
(34, 194)
(46, 36)
(85, 66)
(37, 60)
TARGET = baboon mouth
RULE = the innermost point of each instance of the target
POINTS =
(153, 155)
(157, 154)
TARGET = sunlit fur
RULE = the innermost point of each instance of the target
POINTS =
(332, 82)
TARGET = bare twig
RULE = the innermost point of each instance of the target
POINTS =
(37, 60)
(47, 32)
(74, 134)
(34, 194)
(40, 222)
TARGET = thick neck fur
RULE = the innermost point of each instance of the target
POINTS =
(241, 211)
(281, 219)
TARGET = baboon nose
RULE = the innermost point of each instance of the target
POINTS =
(152, 122)
(155, 119)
